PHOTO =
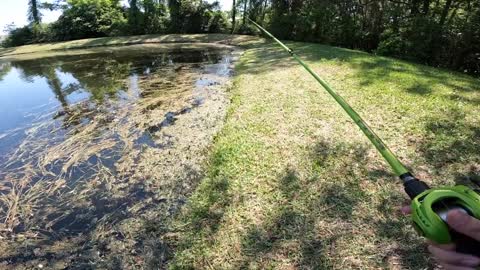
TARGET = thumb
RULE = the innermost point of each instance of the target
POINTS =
(406, 210)
(463, 223)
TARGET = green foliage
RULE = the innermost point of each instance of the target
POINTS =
(441, 33)
(391, 44)
(217, 22)
(18, 36)
(154, 17)
(34, 33)
(99, 18)
(415, 39)
(135, 18)
(196, 17)
(90, 18)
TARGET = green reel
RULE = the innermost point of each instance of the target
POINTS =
(430, 207)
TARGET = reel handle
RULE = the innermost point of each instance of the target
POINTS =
(465, 244)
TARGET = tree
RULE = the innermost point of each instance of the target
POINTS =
(174, 6)
(244, 11)
(34, 15)
(90, 18)
(135, 18)
(234, 13)
(154, 17)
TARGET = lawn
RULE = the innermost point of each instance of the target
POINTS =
(292, 183)
(127, 40)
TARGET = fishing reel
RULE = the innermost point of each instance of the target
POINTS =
(429, 212)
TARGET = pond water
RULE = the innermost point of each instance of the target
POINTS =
(96, 141)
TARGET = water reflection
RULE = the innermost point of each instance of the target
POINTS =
(103, 77)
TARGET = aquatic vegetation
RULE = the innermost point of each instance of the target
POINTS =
(88, 176)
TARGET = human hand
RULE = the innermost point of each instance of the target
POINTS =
(446, 255)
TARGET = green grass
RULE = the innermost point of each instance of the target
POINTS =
(127, 40)
(292, 183)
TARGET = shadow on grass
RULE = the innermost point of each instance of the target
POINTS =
(288, 230)
(410, 253)
(342, 198)
(419, 89)
(368, 69)
(396, 236)
(205, 211)
(472, 100)
(206, 216)
(451, 139)
(292, 232)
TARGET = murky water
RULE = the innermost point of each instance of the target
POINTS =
(100, 139)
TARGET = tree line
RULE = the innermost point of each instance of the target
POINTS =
(100, 18)
(443, 33)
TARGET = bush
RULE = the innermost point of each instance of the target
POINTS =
(42, 33)
(391, 44)
(18, 36)
(34, 33)
(217, 22)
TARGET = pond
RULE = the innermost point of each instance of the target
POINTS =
(97, 143)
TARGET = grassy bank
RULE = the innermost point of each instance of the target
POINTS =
(127, 40)
(293, 184)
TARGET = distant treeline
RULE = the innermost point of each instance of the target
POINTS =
(436, 32)
(100, 18)
(442, 33)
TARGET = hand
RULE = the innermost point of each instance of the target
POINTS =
(446, 255)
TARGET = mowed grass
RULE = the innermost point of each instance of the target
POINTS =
(292, 183)
(126, 40)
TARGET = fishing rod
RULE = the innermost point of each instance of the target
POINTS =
(429, 205)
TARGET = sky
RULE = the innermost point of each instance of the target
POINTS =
(225, 4)
(16, 11)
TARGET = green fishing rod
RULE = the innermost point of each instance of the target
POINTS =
(429, 205)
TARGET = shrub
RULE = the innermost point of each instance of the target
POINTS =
(217, 22)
